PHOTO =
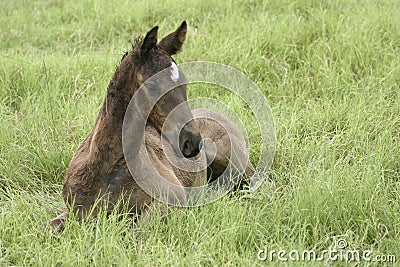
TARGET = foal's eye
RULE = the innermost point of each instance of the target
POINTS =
(152, 87)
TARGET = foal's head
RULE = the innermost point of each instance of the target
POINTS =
(155, 70)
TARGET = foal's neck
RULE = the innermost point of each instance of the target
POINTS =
(106, 139)
(119, 93)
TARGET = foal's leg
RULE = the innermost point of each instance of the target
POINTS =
(174, 196)
(58, 223)
(251, 177)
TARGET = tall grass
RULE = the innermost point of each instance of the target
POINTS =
(329, 69)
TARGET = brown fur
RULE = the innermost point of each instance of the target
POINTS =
(225, 135)
(98, 169)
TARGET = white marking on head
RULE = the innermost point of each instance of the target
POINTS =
(174, 72)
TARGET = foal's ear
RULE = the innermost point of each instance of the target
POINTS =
(149, 42)
(173, 42)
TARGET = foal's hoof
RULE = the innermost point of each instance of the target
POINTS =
(58, 223)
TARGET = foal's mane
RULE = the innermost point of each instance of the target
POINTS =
(135, 42)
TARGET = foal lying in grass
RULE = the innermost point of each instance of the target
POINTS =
(100, 170)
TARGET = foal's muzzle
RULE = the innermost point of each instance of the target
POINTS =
(189, 143)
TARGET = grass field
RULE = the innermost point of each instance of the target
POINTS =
(330, 71)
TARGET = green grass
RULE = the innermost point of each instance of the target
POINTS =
(329, 69)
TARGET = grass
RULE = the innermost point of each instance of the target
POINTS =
(329, 69)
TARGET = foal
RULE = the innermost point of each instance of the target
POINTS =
(99, 170)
